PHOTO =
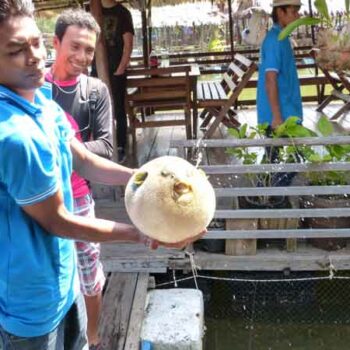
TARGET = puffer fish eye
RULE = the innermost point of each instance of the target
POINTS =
(167, 173)
(140, 178)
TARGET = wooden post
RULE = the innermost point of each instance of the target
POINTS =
(230, 21)
(312, 27)
(144, 38)
(149, 26)
(241, 246)
(101, 52)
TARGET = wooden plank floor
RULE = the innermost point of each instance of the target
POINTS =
(122, 311)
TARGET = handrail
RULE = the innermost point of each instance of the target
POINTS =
(299, 189)
(270, 234)
(224, 143)
(275, 168)
(281, 191)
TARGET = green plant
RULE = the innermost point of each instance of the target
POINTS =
(324, 19)
(327, 154)
(332, 50)
(291, 128)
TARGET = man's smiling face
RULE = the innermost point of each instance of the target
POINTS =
(75, 52)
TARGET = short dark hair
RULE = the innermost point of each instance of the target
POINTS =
(76, 17)
(284, 9)
(274, 12)
(15, 8)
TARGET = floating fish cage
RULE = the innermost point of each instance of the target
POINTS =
(271, 310)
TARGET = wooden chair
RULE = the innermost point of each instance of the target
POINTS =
(340, 82)
(159, 88)
(218, 98)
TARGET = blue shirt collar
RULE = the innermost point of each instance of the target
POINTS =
(277, 27)
(30, 108)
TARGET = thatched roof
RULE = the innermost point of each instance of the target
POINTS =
(44, 5)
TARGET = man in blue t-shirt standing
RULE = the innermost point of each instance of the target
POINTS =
(40, 302)
(278, 94)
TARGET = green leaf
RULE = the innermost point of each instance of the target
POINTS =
(279, 131)
(243, 131)
(325, 126)
(233, 132)
(307, 21)
(292, 128)
(252, 135)
(315, 158)
(347, 6)
(322, 8)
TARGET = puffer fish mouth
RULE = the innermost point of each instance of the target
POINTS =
(140, 178)
(182, 191)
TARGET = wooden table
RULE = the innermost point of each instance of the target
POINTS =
(159, 87)
(194, 74)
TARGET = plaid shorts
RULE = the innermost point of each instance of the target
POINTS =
(90, 269)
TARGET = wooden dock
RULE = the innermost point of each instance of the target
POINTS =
(129, 265)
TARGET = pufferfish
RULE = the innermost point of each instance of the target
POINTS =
(170, 200)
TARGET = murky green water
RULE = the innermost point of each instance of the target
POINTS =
(228, 334)
(300, 315)
(301, 311)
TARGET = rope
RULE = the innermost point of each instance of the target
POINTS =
(195, 276)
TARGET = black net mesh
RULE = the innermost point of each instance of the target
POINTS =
(308, 314)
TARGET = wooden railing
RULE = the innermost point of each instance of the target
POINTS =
(241, 227)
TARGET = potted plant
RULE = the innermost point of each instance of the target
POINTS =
(333, 41)
(319, 155)
(291, 128)
(308, 154)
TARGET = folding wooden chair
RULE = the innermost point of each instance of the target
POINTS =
(340, 82)
(218, 98)
(159, 88)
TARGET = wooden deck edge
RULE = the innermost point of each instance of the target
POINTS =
(269, 260)
(135, 265)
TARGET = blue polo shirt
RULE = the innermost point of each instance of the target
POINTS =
(38, 280)
(278, 56)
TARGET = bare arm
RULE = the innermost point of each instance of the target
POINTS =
(53, 216)
(128, 40)
(272, 94)
(97, 169)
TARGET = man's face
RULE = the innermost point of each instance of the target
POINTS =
(288, 16)
(75, 52)
(22, 56)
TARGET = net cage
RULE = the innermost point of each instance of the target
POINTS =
(271, 310)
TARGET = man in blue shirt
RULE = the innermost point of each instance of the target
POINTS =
(278, 94)
(40, 304)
